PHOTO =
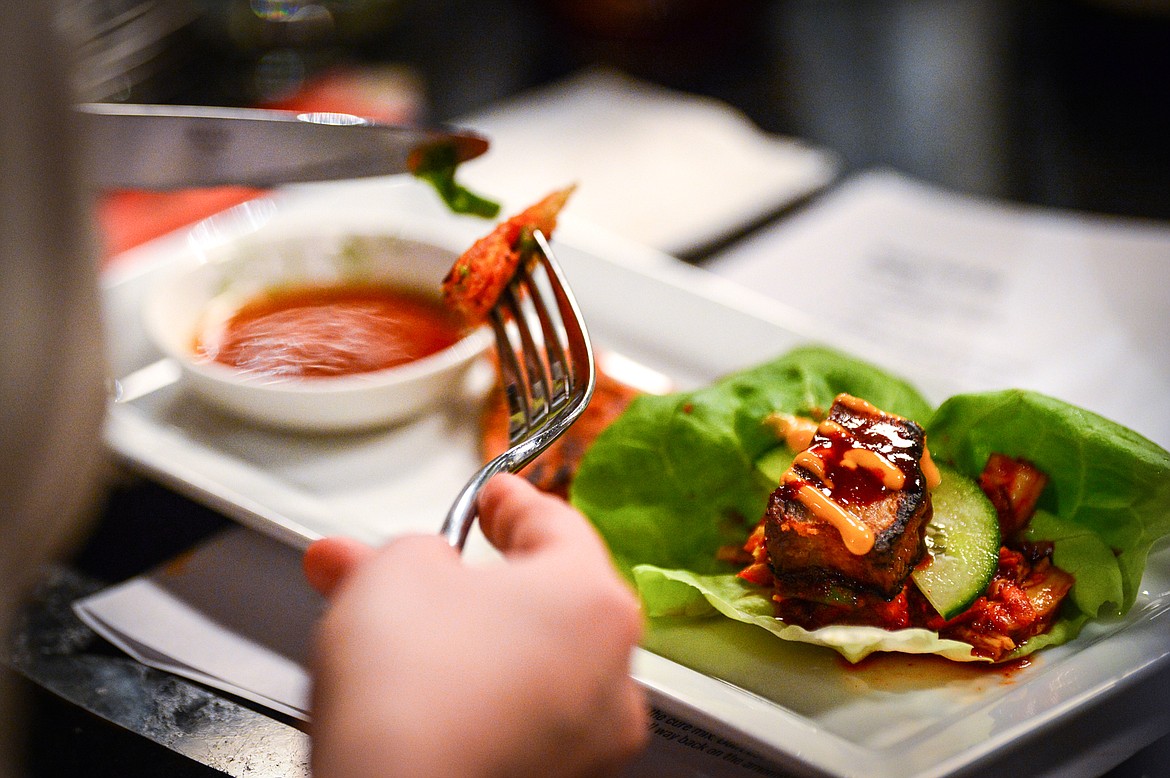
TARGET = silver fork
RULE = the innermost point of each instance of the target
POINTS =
(547, 369)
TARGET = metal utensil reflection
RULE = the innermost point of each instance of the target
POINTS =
(172, 147)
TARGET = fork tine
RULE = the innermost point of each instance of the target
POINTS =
(570, 365)
(511, 379)
(537, 383)
(558, 367)
(582, 369)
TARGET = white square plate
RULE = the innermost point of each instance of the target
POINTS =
(1075, 709)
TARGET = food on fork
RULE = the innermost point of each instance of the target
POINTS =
(543, 350)
(480, 274)
(471, 288)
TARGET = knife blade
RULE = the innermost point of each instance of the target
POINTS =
(134, 146)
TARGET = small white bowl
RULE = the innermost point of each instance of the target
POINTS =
(209, 288)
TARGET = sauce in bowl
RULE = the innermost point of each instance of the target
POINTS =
(328, 331)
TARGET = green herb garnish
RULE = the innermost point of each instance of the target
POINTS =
(436, 164)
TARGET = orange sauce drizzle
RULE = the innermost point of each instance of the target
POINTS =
(857, 537)
(929, 469)
(814, 464)
(886, 471)
(796, 431)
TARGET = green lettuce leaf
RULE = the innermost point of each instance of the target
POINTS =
(683, 593)
(1108, 497)
(676, 477)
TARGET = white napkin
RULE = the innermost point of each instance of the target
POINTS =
(666, 169)
(234, 613)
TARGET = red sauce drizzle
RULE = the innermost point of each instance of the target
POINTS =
(322, 331)
(858, 486)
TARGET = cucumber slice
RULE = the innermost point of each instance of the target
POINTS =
(963, 540)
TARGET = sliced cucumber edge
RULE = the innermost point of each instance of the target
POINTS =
(963, 539)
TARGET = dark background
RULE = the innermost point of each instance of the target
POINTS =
(1055, 102)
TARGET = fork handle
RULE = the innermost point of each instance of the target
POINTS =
(465, 508)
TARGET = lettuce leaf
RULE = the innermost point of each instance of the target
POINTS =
(436, 164)
(683, 593)
(1108, 497)
(675, 478)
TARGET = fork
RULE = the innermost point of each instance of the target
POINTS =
(547, 371)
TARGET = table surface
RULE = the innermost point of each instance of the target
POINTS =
(1050, 105)
(93, 710)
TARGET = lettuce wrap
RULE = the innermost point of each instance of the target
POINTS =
(676, 477)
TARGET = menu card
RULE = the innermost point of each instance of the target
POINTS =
(964, 293)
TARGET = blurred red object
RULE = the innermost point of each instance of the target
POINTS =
(391, 94)
(129, 218)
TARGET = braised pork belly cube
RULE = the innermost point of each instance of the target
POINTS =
(849, 517)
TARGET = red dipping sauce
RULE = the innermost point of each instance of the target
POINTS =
(329, 331)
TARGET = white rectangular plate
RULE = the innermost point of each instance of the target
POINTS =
(797, 706)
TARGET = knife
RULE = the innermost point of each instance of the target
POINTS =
(131, 146)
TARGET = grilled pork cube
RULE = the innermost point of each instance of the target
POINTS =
(849, 517)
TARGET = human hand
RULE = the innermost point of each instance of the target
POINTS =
(427, 666)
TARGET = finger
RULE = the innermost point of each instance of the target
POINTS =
(634, 711)
(329, 561)
(417, 552)
(628, 732)
(519, 520)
